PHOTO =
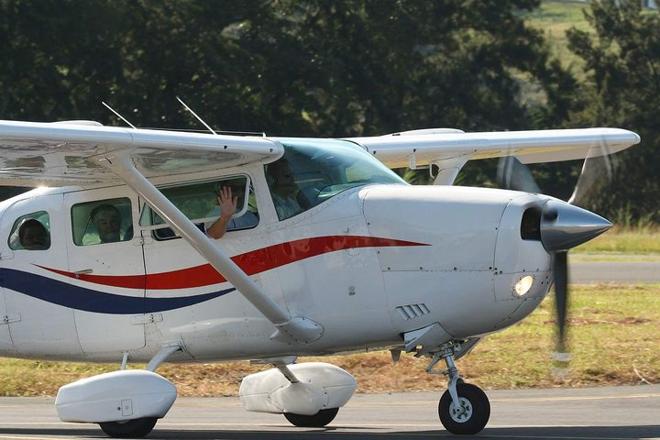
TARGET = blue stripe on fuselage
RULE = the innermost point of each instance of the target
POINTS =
(79, 298)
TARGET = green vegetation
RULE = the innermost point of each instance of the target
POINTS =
(635, 241)
(554, 18)
(614, 333)
(350, 67)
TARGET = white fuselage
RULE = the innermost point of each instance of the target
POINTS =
(368, 264)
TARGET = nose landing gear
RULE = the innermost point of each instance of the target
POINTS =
(464, 408)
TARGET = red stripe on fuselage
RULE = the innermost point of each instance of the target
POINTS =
(252, 262)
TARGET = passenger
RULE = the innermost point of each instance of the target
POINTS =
(33, 235)
(283, 189)
(107, 220)
(227, 203)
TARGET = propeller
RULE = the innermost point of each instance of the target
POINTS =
(563, 226)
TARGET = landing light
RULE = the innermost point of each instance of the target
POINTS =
(523, 285)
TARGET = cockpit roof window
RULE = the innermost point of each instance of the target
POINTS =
(315, 170)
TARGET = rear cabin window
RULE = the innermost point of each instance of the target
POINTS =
(199, 202)
(102, 221)
(31, 232)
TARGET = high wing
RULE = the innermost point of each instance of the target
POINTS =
(86, 154)
(449, 149)
(68, 153)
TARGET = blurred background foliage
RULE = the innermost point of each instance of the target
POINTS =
(347, 68)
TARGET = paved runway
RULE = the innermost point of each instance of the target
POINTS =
(618, 272)
(592, 413)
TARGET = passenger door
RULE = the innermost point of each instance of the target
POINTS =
(106, 261)
(39, 322)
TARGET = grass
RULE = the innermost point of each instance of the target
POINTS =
(615, 338)
(639, 241)
(554, 18)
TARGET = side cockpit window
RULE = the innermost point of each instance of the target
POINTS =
(199, 202)
(31, 232)
(102, 221)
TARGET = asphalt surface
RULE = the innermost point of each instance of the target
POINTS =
(619, 272)
(588, 413)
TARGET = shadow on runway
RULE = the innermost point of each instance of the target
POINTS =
(353, 432)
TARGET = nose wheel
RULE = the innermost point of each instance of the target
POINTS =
(464, 408)
(470, 415)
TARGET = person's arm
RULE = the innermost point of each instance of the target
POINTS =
(227, 204)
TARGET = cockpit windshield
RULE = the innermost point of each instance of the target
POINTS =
(314, 170)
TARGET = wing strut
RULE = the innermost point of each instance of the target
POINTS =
(298, 329)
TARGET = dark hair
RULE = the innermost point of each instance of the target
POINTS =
(30, 223)
(104, 207)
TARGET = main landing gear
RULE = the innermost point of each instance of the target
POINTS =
(463, 408)
(318, 420)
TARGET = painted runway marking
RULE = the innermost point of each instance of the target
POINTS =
(510, 399)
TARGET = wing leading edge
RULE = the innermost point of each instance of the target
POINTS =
(445, 147)
(59, 154)
(68, 153)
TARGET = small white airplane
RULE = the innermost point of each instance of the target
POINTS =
(107, 259)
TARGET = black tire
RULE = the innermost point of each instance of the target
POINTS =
(480, 410)
(131, 429)
(318, 420)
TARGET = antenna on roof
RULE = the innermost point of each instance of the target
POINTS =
(118, 115)
(196, 116)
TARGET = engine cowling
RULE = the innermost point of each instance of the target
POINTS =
(321, 386)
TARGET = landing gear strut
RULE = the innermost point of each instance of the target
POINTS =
(463, 408)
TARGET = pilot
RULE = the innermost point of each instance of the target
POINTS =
(283, 189)
(33, 235)
(107, 220)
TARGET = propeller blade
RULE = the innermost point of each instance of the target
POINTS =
(561, 356)
(560, 270)
(596, 173)
(512, 174)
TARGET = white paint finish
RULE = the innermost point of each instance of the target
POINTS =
(65, 154)
(448, 170)
(40, 329)
(6, 346)
(321, 386)
(514, 256)
(458, 224)
(343, 289)
(116, 396)
(101, 332)
(528, 146)
(228, 324)
(351, 292)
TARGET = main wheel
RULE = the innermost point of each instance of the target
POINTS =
(318, 420)
(130, 428)
(473, 414)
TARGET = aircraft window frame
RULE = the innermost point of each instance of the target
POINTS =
(312, 171)
(14, 240)
(89, 234)
(161, 232)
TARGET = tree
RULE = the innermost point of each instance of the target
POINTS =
(296, 67)
(622, 60)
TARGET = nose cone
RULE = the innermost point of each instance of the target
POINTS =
(564, 226)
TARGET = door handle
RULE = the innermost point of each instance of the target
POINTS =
(83, 271)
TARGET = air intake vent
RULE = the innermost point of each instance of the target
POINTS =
(412, 311)
(530, 226)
